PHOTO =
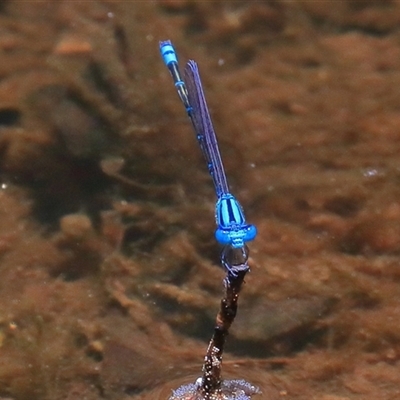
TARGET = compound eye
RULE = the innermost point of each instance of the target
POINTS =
(251, 233)
(222, 237)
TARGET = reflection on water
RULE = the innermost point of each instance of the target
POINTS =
(229, 390)
(234, 389)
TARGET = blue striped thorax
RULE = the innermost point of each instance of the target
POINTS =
(232, 227)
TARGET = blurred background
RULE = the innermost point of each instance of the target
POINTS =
(109, 270)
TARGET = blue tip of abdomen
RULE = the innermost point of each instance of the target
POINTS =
(168, 52)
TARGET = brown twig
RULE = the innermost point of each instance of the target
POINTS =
(235, 261)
